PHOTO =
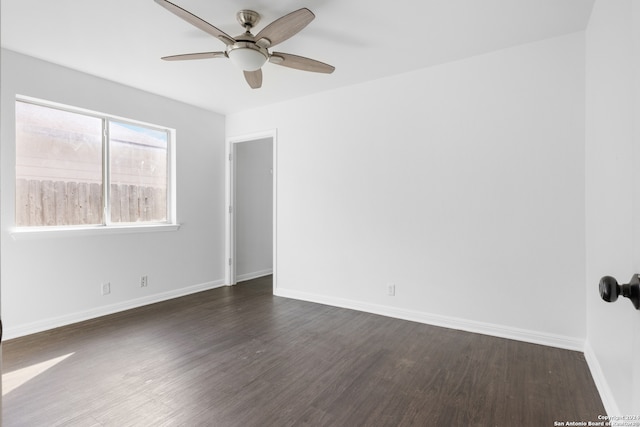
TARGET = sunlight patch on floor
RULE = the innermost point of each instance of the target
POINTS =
(13, 380)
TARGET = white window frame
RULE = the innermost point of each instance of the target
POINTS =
(19, 233)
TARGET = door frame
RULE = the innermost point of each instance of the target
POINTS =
(230, 231)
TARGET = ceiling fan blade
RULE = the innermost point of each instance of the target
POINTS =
(300, 63)
(254, 78)
(197, 22)
(283, 28)
(187, 56)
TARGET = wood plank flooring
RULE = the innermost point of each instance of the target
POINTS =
(238, 356)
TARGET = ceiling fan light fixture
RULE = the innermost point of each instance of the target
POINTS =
(247, 56)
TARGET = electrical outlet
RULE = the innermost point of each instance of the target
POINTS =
(106, 288)
(143, 281)
(391, 289)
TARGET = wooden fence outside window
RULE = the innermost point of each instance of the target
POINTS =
(59, 203)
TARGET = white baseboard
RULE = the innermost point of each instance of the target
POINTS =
(67, 319)
(254, 275)
(599, 378)
(535, 337)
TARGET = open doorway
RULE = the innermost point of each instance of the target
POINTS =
(251, 207)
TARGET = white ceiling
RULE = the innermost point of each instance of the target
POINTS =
(123, 40)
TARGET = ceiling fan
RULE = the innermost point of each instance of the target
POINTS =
(250, 52)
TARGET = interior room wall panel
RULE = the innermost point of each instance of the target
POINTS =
(461, 184)
(51, 281)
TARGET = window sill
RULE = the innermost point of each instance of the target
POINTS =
(28, 233)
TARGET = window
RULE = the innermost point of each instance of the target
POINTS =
(77, 168)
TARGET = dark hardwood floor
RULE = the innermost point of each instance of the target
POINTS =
(238, 356)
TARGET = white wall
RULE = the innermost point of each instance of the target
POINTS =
(253, 208)
(52, 281)
(613, 197)
(463, 184)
